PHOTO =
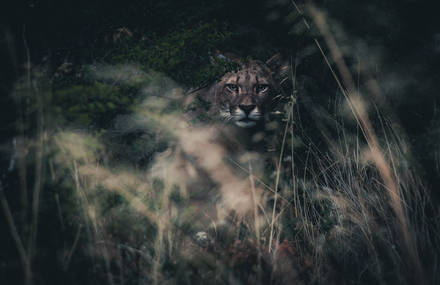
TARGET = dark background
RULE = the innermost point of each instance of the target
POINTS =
(405, 33)
(175, 37)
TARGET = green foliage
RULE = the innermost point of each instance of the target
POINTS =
(91, 106)
(183, 54)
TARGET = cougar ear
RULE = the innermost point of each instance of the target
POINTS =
(279, 65)
(217, 56)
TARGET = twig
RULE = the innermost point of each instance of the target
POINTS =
(69, 255)
(16, 237)
(280, 159)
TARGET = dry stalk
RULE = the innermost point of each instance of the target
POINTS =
(359, 110)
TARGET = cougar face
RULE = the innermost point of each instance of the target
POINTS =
(243, 97)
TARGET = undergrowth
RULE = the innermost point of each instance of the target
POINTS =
(142, 195)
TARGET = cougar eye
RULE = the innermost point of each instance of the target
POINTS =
(262, 87)
(232, 87)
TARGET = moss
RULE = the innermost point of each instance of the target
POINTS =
(183, 54)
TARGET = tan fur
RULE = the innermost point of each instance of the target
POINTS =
(243, 97)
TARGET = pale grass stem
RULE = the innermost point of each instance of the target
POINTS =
(359, 110)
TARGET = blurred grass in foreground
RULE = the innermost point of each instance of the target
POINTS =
(155, 197)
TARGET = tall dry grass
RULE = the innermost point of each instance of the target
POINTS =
(213, 208)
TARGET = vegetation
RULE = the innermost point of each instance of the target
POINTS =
(107, 178)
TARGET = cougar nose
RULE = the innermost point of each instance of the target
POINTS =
(247, 108)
